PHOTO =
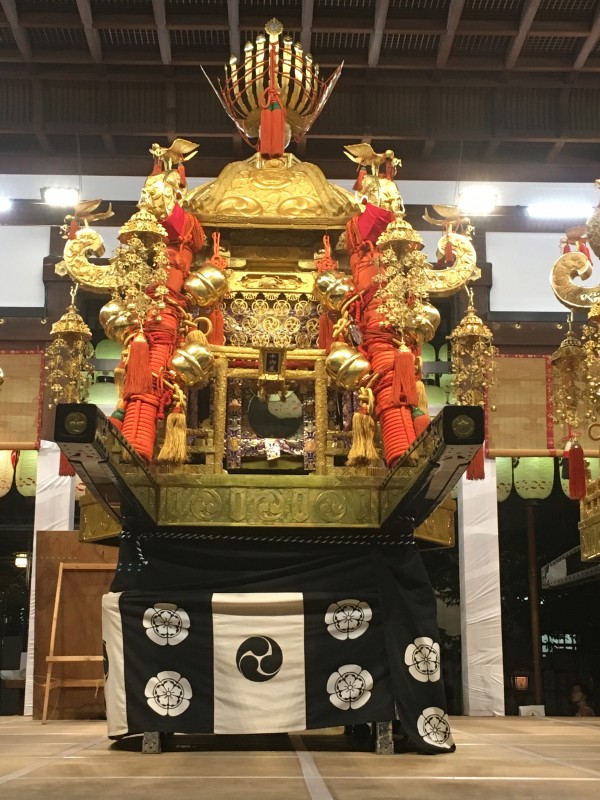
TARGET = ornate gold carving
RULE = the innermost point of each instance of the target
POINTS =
(76, 264)
(439, 526)
(206, 504)
(321, 416)
(566, 268)
(444, 282)
(331, 506)
(283, 193)
(94, 521)
(220, 411)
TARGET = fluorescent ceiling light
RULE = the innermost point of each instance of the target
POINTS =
(5, 204)
(479, 199)
(63, 196)
(21, 560)
(565, 208)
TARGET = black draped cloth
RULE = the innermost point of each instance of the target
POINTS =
(205, 637)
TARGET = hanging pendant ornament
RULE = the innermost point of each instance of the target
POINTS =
(569, 390)
(472, 367)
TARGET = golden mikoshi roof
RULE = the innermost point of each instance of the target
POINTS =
(277, 193)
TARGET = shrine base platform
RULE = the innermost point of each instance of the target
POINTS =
(496, 758)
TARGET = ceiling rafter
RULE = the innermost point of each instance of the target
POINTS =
(91, 34)
(381, 12)
(530, 9)
(590, 42)
(307, 24)
(164, 38)
(447, 39)
(20, 35)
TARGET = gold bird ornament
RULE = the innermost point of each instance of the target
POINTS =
(364, 155)
(179, 150)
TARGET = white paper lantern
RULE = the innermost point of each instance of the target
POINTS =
(504, 478)
(26, 472)
(534, 478)
(7, 471)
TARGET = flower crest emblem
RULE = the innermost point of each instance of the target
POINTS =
(423, 659)
(348, 619)
(165, 623)
(168, 694)
(434, 727)
(350, 687)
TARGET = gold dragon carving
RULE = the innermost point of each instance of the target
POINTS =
(87, 243)
(568, 267)
(444, 282)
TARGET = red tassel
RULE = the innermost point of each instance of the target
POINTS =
(217, 332)
(448, 252)
(576, 471)
(138, 375)
(325, 332)
(65, 469)
(421, 422)
(361, 172)
(566, 248)
(476, 469)
(73, 228)
(404, 380)
(182, 176)
(272, 130)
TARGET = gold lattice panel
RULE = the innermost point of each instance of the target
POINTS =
(264, 319)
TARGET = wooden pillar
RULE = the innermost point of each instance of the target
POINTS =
(534, 606)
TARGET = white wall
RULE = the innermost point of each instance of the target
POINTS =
(22, 251)
(521, 264)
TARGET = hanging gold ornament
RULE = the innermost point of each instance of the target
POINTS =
(569, 380)
(68, 364)
(472, 358)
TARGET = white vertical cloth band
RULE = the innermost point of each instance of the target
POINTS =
(245, 627)
(54, 511)
(480, 609)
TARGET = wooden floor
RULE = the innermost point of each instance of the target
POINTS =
(511, 757)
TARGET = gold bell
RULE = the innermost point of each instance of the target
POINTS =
(116, 320)
(346, 366)
(193, 364)
(207, 285)
(333, 288)
(425, 321)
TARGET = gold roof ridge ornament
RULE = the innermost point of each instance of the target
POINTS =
(269, 64)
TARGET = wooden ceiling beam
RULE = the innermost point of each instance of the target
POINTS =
(233, 18)
(20, 35)
(589, 43)
(351, 79)
(530, 9)
(307, 24)
(446, 39)
(91, 34)
(164, 37)
(505, 169)
(555, 151)
(376, 39)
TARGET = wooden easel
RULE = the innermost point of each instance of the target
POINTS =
(52, 659)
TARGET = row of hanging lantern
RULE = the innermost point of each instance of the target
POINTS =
(533, 478)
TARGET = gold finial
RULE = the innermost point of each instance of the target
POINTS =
(274, 29)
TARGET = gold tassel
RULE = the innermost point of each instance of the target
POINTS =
(119, 375)
(422, 402)
(363, 452)
(174, 449)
